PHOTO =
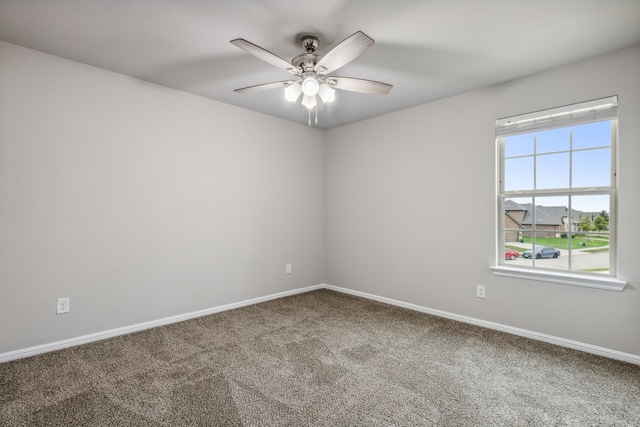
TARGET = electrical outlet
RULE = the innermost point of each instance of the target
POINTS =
(63, 305)
(480, 291)
(287, 269)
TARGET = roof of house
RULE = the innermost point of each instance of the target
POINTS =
(545, 215)
(510, 206)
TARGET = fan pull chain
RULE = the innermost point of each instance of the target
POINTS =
(309, 116)
(316, 113)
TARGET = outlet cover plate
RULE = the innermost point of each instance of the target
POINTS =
(63, 305)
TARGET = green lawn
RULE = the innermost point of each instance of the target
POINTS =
(576, 242)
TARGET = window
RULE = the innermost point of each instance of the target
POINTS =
(557, 194)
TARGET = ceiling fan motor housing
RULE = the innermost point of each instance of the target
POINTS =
(306, 61)
(310, 43)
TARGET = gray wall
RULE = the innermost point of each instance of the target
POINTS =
(140, 202)
(411, 207)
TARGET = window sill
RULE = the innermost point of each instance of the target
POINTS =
(588, 281)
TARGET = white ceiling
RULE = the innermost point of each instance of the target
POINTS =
(428, 49)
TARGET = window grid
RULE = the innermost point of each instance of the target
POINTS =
(536, 193)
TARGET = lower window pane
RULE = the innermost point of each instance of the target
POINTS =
(555, 239)
(590, 243)
(547, 250)
(515, 211)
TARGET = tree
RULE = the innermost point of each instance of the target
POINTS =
(585, 223)
(600, 223)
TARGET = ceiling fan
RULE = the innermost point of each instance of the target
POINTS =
(311, 71)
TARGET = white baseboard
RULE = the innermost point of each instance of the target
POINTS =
(576, 345)
(84, 339)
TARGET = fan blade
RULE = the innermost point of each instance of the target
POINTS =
(345, 52)
(265, 55)
(359, 85)
(265, 86)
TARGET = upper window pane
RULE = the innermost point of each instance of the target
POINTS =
(591, 168)
(518, 145)
(592, 135)
(553, 140)
(518, 174)
(552, 171)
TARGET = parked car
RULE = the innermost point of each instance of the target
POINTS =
(542, 252)
(511, 254)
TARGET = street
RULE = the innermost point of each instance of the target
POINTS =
(580, 260)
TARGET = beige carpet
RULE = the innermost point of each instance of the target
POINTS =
(319, 359)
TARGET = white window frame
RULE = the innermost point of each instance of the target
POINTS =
(571, 115)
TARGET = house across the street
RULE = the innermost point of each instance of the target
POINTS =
(553, 220)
